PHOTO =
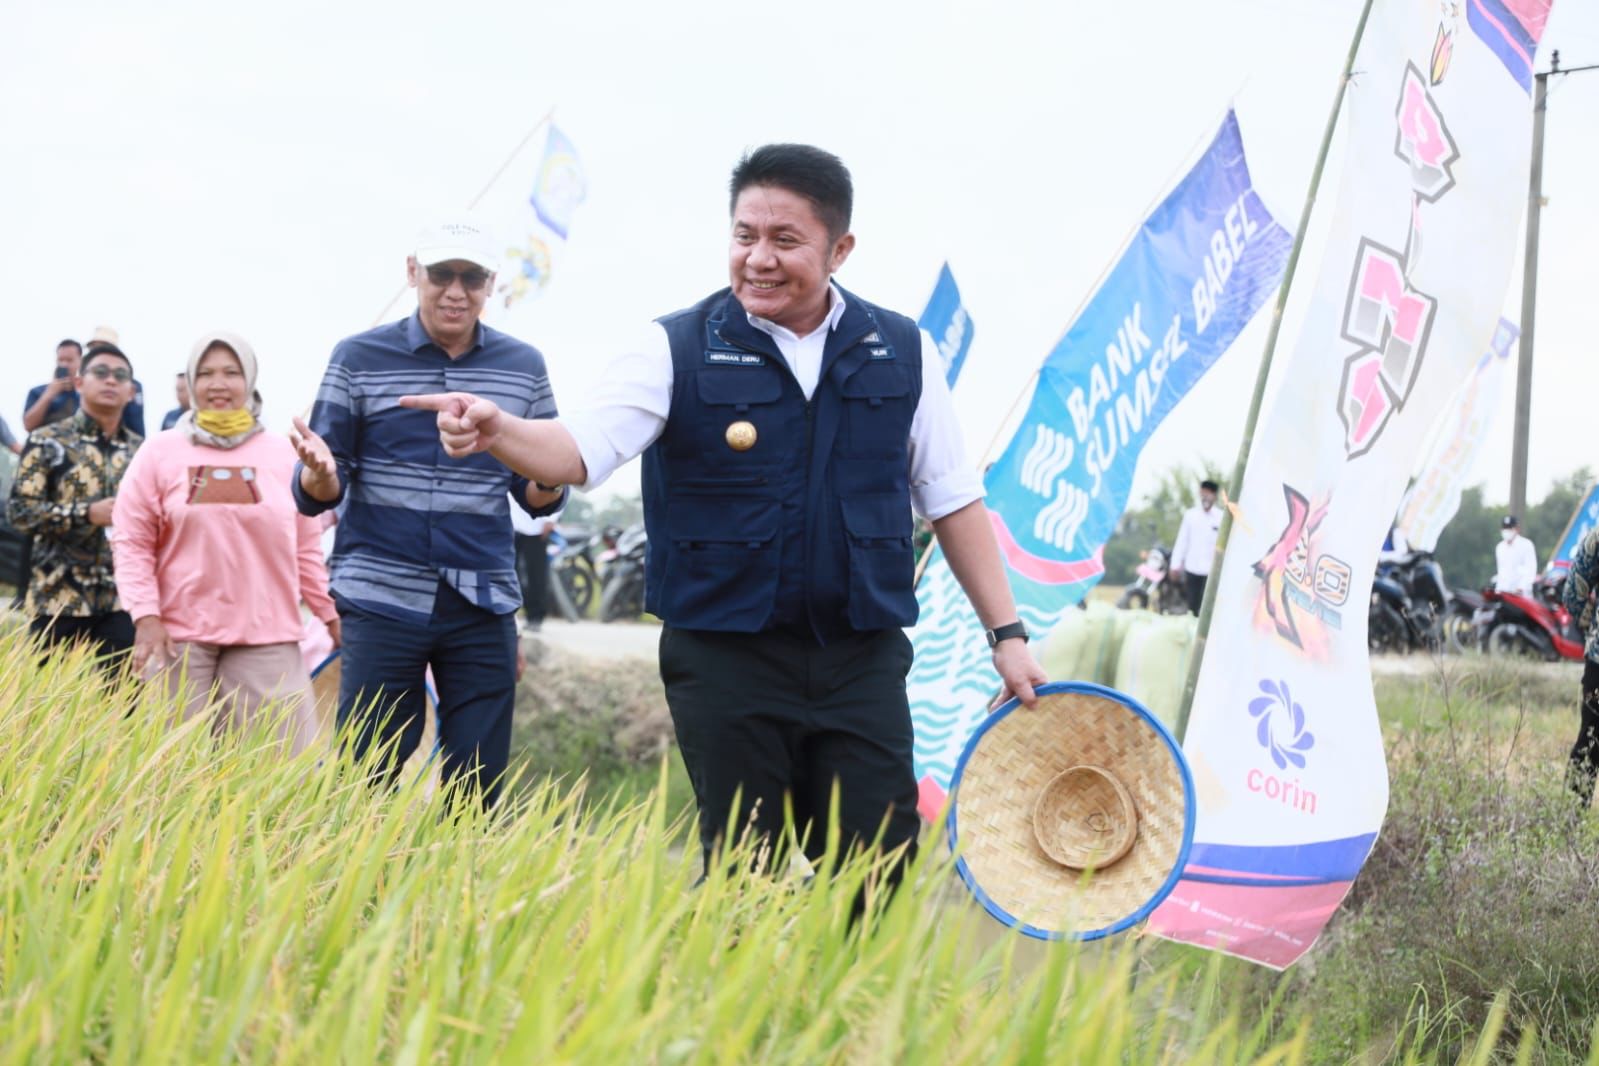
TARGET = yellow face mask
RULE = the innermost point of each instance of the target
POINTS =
(224, 423)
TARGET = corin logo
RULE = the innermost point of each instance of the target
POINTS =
(1280, 729)
(1302, 589)
(1387, 319)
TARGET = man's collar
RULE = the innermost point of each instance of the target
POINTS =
(417, 337)
(88, 427)
(836, 305)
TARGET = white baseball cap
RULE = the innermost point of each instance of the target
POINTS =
(458, 238)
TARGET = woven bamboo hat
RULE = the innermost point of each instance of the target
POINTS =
(1074, 819)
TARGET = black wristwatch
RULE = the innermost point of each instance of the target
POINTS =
(542, 487)
(1007, 632)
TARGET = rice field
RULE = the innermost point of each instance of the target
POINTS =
(170, 896)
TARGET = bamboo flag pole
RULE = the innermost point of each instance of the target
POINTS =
(1208, 606)
(515, 152)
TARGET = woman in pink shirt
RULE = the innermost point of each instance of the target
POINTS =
(213, 558)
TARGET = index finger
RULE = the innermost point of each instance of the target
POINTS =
(433, 401)
(304, 430)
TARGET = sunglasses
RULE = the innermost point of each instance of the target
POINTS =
(119, 374)
(472, 280)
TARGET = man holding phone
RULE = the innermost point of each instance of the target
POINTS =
(58, 399)
(66, 483)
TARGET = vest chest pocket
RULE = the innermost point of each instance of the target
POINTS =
(882, 563)
(737, 394)
(877, 411)
(722, 563)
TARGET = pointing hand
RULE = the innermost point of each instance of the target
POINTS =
(467, 424)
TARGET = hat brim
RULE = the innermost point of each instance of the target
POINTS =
(434, 256)
(1013, 756)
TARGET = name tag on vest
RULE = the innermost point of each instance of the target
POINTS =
(882, 353)
(735, 359)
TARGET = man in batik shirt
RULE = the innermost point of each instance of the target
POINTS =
(66, 483)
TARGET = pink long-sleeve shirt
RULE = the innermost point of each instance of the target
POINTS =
(210, 540)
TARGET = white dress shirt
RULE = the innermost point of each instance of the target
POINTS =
(627, 412)
(1517, 563)
(1196, 540)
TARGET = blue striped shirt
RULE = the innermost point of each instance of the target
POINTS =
(413, 515)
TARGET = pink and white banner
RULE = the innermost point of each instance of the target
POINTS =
(1284, 741)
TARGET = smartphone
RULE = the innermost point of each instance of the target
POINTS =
(63, 371)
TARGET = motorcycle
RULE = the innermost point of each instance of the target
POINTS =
(1513, 623)
(1462, 622)
(572, 563)
(622, 588)
(1151, 584)
(1409, 602)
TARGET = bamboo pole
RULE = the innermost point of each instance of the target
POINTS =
(1208, 606)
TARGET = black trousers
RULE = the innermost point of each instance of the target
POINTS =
(110, 633)
(1581, 767)
(775, 717)
(473, 656)
(534, 555)
(1194, 590)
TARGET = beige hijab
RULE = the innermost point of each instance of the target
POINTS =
(247, 362)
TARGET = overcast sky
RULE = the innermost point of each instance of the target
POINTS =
(172, 168)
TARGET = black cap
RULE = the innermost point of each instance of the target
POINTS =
(1508, 522)
(1209, 484)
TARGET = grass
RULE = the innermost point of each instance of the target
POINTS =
(167, 896)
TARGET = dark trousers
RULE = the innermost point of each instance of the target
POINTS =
(775, 717)
(110, 633)
(382, 698)
(534, 556)
(1194, 590)
(1581, 766)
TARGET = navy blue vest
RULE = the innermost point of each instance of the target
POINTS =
(810, 528)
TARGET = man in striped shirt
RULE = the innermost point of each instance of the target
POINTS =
(423, 568)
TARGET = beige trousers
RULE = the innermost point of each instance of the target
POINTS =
(234, 682)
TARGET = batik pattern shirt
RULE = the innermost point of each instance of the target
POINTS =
(65, 467)
(1580, 582)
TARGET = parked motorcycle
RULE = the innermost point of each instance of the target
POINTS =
(1537, 625)
(1409, 602)
(622, 588)
(1150, 586)
(572, 563)
(1461, 623)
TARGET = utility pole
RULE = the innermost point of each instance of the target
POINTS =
(1529, 286)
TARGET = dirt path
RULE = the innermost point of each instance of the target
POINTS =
(594, 640)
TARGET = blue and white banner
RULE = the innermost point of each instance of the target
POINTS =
(531, 213)
(947, 322)
(1583, 520)
(1192, 276)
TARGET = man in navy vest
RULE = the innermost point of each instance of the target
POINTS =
(788, 430)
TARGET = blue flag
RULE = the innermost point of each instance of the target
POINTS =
(946, 320)
(1583, 520)
(560, 185)
(1193, 275)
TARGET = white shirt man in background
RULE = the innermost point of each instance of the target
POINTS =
(1196, 545)
(1515, 559)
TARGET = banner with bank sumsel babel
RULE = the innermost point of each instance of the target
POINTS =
(1203, 262)
(1284, 741)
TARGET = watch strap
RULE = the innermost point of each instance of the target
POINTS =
(1006, 632)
